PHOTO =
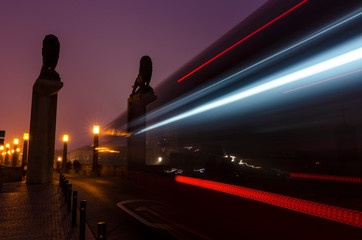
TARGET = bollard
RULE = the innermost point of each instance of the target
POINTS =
(101, 231)
(83, 209)
(61, 181)
(69, 197)
(74, 210)
(65, 190)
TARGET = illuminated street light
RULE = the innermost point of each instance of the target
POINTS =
(65, 138)
(1, 154)
(95, 149)
(96, 129)
(7, 153)
(26, 136)
(24, 160)
(15, 153)
(65, 151)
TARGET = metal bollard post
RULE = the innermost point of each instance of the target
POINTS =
(83, 209)
(74, 210)
(65, 190)
(101, 231)
(69, 197)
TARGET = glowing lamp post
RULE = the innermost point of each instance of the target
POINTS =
(65, 152)
(1, 154)
(15, 153)
(95, 149)
(7, 153)
(24, 160)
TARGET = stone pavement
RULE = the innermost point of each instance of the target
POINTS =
(35, 211)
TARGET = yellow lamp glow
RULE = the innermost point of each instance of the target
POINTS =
(18, 149)
(96, 129)
(26, 136)
(7, 145)
(16, 141)
(65, 138)
(1, 148)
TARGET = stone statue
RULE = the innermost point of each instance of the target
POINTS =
(142, 95)
(43, 115)
(144, 76)
(50, 54)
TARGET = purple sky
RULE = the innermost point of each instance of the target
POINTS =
(101, 43)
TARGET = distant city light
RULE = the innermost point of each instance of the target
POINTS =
(16, 141)
(159, 159)
(59, 159)
(105, 149)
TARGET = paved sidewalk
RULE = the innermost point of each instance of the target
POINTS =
(35, 211)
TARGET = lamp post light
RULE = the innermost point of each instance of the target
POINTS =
(15, 155)
(95, 149)
(65, 152)
(1, 154)
(24, 161)
(7, 153)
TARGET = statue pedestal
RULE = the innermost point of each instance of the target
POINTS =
(42, 131)
(136, 120)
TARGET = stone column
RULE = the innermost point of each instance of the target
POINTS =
(43, 115)
(136, 120)
(42, 131)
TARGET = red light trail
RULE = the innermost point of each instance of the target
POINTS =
(242, 40)
(327, 177)
(325, 80)
(337, 214)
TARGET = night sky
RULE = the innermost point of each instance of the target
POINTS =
(101, 45)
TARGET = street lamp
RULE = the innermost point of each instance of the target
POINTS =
(95, 150)
(15, 155)
(24, 160)
(65, 150)
(1, 154)
(7, 153)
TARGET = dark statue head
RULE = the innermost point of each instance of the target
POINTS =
(144, 76)
(50, 52)
(146, 69)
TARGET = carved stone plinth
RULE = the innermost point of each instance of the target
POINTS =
(42, 131)
(136, 120)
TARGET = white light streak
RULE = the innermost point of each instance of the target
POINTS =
(289, 78)
(208, 89)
